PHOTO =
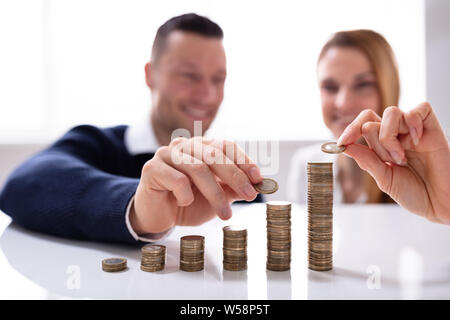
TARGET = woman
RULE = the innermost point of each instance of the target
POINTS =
(356, 70)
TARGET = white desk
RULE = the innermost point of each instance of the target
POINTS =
(380, 252)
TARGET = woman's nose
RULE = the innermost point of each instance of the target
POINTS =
(343, 99)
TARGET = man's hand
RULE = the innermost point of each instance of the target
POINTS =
(408, 156)
(191, 181)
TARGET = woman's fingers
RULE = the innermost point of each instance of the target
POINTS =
(420, 118)
(353, 132)
(370, 162)
(393, 125)
(371, 132)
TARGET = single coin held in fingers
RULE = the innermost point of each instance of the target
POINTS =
(266, 186)
(332, 147)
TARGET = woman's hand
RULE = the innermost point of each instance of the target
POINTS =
(408, 156)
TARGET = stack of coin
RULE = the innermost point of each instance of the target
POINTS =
(153, 257)
(192, 250)
(234, 248)
(320, 216)
(114, 264)
(278, 235)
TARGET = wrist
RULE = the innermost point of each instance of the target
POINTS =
(134, 221)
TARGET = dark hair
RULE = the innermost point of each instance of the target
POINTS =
(189, 22)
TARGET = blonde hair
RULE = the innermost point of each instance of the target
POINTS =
(382, 59)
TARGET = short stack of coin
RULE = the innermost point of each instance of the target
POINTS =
(192, 250)
(153, 257)
(320, 216)
(114, 264)
(278, 235)
(234, 248)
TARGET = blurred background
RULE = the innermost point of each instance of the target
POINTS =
(67, 62)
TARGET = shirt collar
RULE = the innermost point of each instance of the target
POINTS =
(140, 138)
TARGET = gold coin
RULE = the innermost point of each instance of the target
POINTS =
(266, 186)
(114, 264)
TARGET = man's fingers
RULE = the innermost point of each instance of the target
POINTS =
(393, 125)
(223, 167)
(201, 176)
(353, 131)
(239, 157)
(369, 161)
(159, 176)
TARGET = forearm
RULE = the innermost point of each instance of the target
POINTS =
(59, 194)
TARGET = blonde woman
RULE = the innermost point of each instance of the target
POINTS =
(356, 70)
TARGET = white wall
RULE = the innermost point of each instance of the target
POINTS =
(438, 58)
(66, 62)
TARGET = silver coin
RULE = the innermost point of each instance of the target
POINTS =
(332, 147)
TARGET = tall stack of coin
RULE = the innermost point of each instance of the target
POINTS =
(320, 216)
(192, 250)
(278, 235)
(153, 258)
(234, 248)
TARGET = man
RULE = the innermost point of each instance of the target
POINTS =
(134, 183)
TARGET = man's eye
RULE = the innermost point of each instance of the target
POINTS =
(189, 75)
(218, 80)
(330, 88)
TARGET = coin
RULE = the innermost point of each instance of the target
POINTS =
(234, 248)
(332, 147)
(153, 257)
(114, 264)
(320, 215)
(192, 253)
(266, 186)
(278, 216)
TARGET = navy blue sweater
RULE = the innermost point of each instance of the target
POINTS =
(79, 187)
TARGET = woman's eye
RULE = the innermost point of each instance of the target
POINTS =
(363, 85)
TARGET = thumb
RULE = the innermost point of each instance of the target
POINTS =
(368, 161)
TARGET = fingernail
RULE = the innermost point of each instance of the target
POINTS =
(249, 191)
(414, 136)
(255, 174)
(339, 142)
(226, 212)
(396, 157)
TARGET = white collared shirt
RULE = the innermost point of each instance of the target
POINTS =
(140, 138)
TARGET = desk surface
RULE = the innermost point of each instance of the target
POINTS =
(380, 252)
